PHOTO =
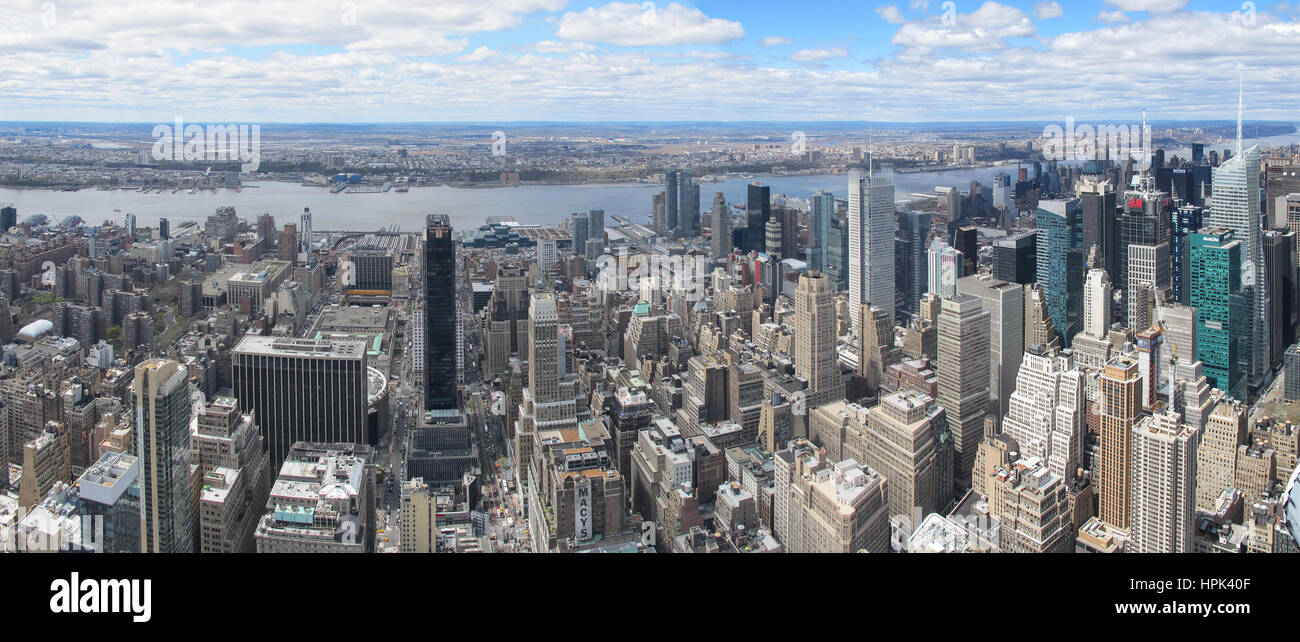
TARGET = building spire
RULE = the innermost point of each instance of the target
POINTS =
(1240, 84)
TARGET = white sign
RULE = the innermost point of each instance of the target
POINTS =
(582, 510)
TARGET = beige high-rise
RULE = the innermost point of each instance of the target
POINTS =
(815, 358)
(1225, 430)
(1120, 386)
(1164, 465)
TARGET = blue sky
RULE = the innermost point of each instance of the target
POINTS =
(510, 60)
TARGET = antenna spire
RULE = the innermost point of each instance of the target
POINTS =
(1241, 82)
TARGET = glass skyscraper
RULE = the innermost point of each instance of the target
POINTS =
(1216, 293)
(1060, 264)
(1236, 206)
(440, 312)
(819, 224)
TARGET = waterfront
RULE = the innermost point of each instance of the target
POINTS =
(531, 204)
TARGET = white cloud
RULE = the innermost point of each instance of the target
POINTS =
(380, 69)
(923, 5)
(819, 55)
(1150, 6)
(985, 29)
(1112, 17)
(1048, 10)
(890, 14)
(775, 41)
(478, 55)
(556, 46)
(635, 25)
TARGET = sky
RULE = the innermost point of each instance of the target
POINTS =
(571, 60)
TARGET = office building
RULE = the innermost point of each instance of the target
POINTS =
(1216, 455)
(1060, 264)
(440, 320)
(303, 390)
(1046, 412)
(419, 517)
(1015, 258)
(1005, 303)
(1187, 220)
(907, 441)
(230, 453)
(966, 240)
(838, 508)
(1236, 207)
(911, 260)
(163, 409)
(720, 241)
(1164, 479)
(964, 377)
(815, 356)
(1031, 505)
(1120, 404)
(758, 210)
(1222, 320)
(871, 240)
(820, 217)
(944, 266)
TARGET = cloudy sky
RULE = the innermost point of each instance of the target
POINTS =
(573, 60)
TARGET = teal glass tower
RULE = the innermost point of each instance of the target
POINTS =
(1222, 324)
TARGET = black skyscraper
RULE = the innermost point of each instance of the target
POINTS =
(966, 241)
(164, 229)
(439, 314)
(1015, 258)
(758, 206)
(8, 218)
(672, 207)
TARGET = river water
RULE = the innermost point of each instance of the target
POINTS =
(468, 208)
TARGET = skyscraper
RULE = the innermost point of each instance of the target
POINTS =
(595, 230)
(1221, 308)
(1005, 303)
(871, 240)
(1187, 219)
(815, 358)
(1120, 387)
(578, 228)
(1236, 207)
(1045, 414)
(720, 241)
(758, 209)
(549, 400)
(688, 218)
(963, 371)
(671, 181)
(163, 410)
(302, 390)
(911, 260)
(1060, 264)
(1164, 479)
(1146, 214)
(440, 314)
(944, 266)
(907, 441)
(820, 217)
(304, 228)
(966, 240)
(1100, 225)
(1015, 258)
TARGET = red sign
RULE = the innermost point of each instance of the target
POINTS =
(1135, 203)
